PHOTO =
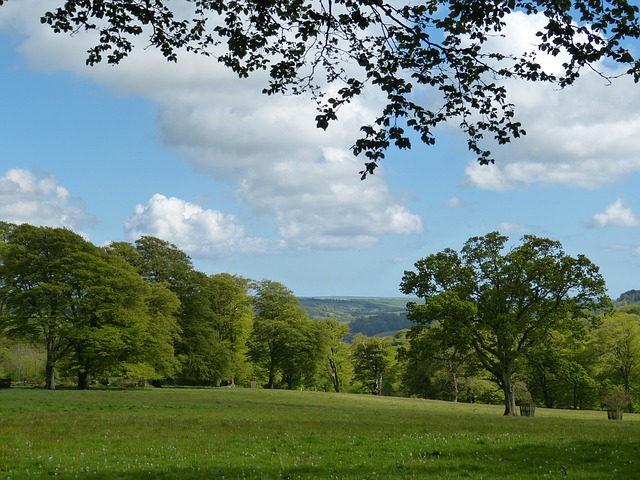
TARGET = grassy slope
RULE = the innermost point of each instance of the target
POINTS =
(261, 434)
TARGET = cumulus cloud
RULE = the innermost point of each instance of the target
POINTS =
(199, 231)
(617, 215)
(302, 179)
(39, 200)
(585, 135)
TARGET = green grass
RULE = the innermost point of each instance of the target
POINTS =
(261, 434)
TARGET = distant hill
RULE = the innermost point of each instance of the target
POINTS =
(369, 315)
(628, 298)
(381, 316)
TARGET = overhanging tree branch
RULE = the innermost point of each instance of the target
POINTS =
(442, 46)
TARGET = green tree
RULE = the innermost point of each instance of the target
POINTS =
(285, 345)
(126, 327)
(444, 365)
(232, 306)
(348, 48)
(338, 367)
(37, 268)
(158, 261)
(372, 360)
(215, 339)
(106, 320)
(560, 372)
(541, 373)
(163, 265)
(618, 345)
(162, 333)
(92, 310)
(503, 304)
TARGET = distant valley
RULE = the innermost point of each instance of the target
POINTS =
(382, 316)
(372, 316)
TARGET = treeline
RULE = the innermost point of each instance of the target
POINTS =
(380, 325)
(139, 313)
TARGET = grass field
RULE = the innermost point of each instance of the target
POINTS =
(262, 434)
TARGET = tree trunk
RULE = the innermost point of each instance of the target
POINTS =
(543, 382)
(50, 367)
(378, 384)
(509, 395)
(454, 383)
(83, 380)
(50, 375)
(627, 390)
(272, 380)
(335, 379)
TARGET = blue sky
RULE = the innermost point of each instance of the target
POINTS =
(246, 184)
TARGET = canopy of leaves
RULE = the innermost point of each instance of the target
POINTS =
(503, 304)
(397, 49)
(285, 345)
(89, 308)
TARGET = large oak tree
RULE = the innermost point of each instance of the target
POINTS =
(335, 50)
(503, 302)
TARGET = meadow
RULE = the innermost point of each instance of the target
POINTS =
(265, 434)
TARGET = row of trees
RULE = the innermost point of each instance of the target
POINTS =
(142, 312)
(496, 324)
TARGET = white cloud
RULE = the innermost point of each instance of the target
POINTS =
(511, 228)
(41, 201)
(585, 135)
(616, 214)
(199, 231)
(304, 180)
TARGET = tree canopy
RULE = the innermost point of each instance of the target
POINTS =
(91, 310)
(502, 304)
(336, 50)
(285, 345)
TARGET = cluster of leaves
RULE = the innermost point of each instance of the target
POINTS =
(441, 46)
